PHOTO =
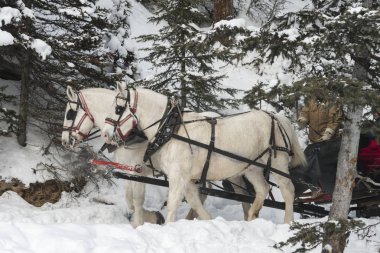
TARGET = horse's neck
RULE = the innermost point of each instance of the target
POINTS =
(100, 104)
(151, 107)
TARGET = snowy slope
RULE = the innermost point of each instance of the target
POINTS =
(92, 227)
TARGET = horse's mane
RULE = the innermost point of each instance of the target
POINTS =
(97, 90)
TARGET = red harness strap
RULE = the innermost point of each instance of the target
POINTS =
(136, 168)
(117, 124)
(85, 107)
(134, 107)
(85, 115)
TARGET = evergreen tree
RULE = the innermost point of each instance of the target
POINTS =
(9, 18)
(261, 11)
(263, 92)
(324, 43)
(183, 56)
(8, 117)
(85, 43)
(117, 38)
(333, 49)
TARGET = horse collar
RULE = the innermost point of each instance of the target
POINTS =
(169, 125)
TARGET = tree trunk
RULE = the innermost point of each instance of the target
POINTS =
(347, 161)
(223, 9)
(25, 82)
(183, 74)
(345, 178)
(24, 100)
(346, 172)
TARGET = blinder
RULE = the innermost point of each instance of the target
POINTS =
(136, 135)
(71, 114)
(119, 110)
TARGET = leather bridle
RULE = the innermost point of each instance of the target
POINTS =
(72, 115)
(119, 110)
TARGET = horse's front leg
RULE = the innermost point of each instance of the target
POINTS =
(129, 196)
(192, 213)
(138, 193)
(194, 200)
(179, 176)
(177, 186)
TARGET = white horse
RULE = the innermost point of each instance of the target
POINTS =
(86, 110)
(247, 135)
(93, 116)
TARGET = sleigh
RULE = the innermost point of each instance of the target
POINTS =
(321, 172)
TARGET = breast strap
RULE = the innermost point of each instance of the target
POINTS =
(170, 125)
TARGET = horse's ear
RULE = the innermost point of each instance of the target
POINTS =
(121, 87)
(70, 93)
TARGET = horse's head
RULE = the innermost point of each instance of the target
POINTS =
(78, 120)
(122, 125)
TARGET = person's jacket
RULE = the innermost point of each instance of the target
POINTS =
(324, 120)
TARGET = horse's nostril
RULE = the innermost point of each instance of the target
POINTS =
(106, 137)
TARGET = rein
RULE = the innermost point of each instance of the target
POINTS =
(94, 137)
(126, 167)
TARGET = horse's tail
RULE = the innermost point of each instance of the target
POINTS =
(298, 158)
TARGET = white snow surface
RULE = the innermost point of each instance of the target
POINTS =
(41, 47)
(7, 15)
(6, 38)
(84, 224)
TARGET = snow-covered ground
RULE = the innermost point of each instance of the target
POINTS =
(84, 224)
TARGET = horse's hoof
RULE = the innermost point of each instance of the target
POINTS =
(160, 218)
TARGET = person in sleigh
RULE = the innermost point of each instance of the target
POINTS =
(369, 147)
(324, 120)
(374, 131)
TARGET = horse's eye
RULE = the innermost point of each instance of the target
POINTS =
(71, 114)
(119, 110)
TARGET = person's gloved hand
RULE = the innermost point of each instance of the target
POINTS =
(327, 134)
(301, 122)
